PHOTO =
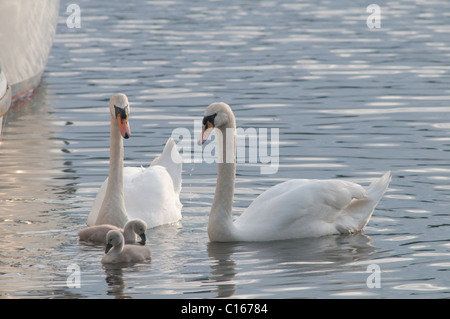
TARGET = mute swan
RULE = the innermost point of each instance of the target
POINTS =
(117, 252)
(293, 209)
(151, 194)
(97, 233)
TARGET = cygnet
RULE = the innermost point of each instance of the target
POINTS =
(117, 252)
(97, 233)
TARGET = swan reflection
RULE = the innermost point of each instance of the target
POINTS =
(287, 260)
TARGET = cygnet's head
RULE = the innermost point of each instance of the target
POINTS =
(217, 115)
(114, 238)
(139, 227)
(120, 109)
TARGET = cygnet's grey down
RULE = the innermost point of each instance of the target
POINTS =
(117, 252)
(97, 233)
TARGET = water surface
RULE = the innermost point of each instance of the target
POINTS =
(349, 102)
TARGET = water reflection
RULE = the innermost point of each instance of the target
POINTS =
(223, 268)
(29, 161)
(114, 279)
(293, 260)
(30, 215)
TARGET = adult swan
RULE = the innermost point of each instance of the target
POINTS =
(293, 209)
(151, 194)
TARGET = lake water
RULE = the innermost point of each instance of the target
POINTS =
(349, 102)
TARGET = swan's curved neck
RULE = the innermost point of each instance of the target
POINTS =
(116, 250)
(220, 225)
(115, 158)
(113, 209)
(128, 233)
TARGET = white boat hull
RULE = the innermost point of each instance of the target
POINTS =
(5, 94)
(27, 29)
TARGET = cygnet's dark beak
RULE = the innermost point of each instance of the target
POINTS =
(143, 239)
(108, 247)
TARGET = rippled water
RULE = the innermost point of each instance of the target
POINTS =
(349, 102)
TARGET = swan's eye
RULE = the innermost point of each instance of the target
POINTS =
(123, 112)
(210, 119)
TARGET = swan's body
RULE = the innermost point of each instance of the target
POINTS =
(97, 233)
(294, 209)
(151, 194)
(118, 252)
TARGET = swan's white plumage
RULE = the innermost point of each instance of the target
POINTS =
(151, 194)
(309, 208)
(294, 209)
(170, 159)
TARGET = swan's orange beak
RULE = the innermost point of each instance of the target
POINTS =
(206, 130)
(122, 119)
(124, 127)
(208, 125)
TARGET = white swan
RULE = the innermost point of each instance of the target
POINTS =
(293, 209)
(117, 252)
(97, 233)
(151, 194)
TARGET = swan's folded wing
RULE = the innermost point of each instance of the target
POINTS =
(170, 159)
(300, 208)
(279, 204)
(149, 195)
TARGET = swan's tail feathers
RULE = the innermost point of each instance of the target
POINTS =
(171, 159)
(357, 214)
(378, 187)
